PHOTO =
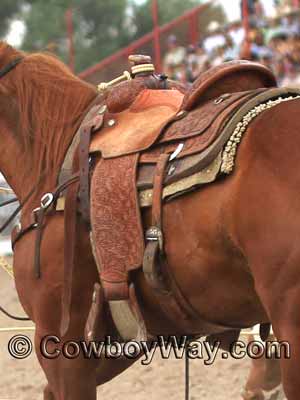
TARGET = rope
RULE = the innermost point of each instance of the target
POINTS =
(17, 329)
(187, 373)
(13, 316)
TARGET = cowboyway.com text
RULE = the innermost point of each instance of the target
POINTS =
(53, 347)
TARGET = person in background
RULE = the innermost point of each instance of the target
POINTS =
(218, 57)
(291, 25)
(258, 47)
(231, 50)
(197, 62)
(255, 11)
(174, 60)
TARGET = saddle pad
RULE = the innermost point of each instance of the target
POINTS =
(138, 127)
(184, 185)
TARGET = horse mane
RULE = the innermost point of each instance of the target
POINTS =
(51, 101)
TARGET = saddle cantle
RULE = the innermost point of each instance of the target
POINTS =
(229, 77)
(155, 140)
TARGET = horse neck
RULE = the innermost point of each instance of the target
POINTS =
(41, 114)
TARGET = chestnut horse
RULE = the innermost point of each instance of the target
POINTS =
(233, 246)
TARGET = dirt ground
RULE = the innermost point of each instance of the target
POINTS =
(24, 379)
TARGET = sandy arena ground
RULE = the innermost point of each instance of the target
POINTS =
(24, 379)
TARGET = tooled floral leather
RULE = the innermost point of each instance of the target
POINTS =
(116, 223)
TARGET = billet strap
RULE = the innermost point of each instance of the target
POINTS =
(70, 226)
(154, 235)
(94, 327)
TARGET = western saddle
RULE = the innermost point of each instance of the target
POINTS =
(145, 141)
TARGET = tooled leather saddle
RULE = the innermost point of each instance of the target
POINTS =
(145, 136)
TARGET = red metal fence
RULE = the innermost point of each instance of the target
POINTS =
(187, 29)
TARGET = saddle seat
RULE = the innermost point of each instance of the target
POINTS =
(136, 116)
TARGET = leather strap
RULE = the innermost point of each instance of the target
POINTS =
(10, 66)
(84, 165)
(70, 219)
(154, 235)
(38, 241)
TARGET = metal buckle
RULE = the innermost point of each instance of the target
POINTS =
(154, 234)
(35, 216)
(222, 98)
(47, 200)
(176, 152)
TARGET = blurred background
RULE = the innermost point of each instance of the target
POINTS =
(183, 37)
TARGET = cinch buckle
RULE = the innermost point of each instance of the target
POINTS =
(47, 200)
(35, 216)
(154, 234)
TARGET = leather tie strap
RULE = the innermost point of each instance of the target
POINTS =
(84, 164)
(38, 241)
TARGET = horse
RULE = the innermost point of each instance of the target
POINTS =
(232, 246)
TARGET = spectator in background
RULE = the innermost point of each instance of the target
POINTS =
(197, 62)
(259, 50)
(231, 49)
(256, 12)
(277, 46)
(174, 60)
(291, 25)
